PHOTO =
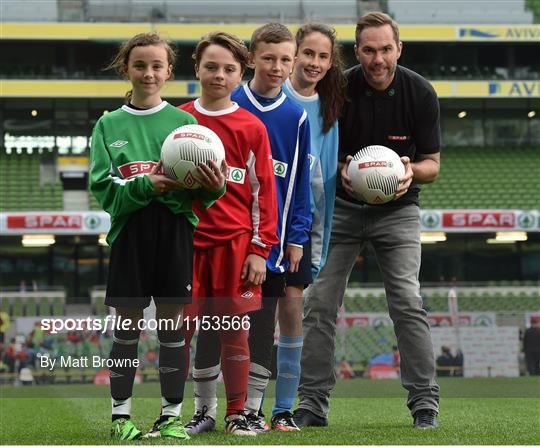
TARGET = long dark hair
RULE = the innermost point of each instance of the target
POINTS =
(331, 88)
(120, 61)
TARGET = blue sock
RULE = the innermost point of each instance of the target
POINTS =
(288, 375)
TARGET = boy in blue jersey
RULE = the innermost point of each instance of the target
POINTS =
(272, 52)
(272, 55)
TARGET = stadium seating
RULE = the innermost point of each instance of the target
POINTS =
(21, 188)
(485, 178)
(520, 299)
(31, 304)
(93, 203)
(97, 301)
(470, 178)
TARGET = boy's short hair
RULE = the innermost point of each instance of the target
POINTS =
(226, 40)
(270, 33)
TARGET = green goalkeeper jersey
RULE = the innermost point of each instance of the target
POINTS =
(126, 145)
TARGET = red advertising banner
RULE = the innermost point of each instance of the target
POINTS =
(45, 221)
(479, 219)
(97, 222)
(50, 222)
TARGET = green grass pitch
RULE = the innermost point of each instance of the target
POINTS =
(473, 411)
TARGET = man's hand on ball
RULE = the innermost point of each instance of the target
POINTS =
(212, 177)
(345, 179)
(162, 184)
(406, 180)
(253, 270)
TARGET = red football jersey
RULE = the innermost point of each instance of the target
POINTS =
(249, 204)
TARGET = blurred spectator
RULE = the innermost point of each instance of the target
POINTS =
(346, 370)
(31, 351)
(11, 355)
(531, 347)
(23, 357)
(4, 326)
(444, 362)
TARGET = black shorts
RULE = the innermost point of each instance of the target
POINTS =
(273, 286)
(152, 257)
(303, 275)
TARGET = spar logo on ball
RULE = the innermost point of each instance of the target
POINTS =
(374, 164)
(197, 136)
(187, 147)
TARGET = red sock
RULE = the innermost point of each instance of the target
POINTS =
(235, 368)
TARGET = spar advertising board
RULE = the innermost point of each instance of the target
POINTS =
(96, 222)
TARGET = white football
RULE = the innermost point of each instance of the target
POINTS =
(375, 173)
(186, 147)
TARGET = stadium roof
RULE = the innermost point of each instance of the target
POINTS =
(190, 32)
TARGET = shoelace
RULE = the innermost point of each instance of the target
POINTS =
(241, 422)
(284, 420)
(255, 419)
(198, 417)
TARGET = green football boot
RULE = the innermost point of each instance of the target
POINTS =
(124, 430)
(173, 428)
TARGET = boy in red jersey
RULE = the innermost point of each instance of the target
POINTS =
(233, 241)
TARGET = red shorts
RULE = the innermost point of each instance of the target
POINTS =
(217, 286)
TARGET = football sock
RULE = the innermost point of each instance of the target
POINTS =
(121, 408)
(205, 388)
(122, 375)
(261, 333)
(258, 380)
(206, 371)
(170, 409)
(288, 372)
(172, 368)
(235, 367)
(208, 349)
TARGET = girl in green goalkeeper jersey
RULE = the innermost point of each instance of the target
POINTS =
(152, 224)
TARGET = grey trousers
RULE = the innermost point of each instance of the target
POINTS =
(395, 236)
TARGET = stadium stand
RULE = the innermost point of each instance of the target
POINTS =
(486, 178)
(21, 188)
(496, 299)
(452, 11)
(466, 181)
(97, 301)
(34, 303)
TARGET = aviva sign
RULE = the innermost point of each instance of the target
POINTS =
(487, 89)
(515, 89)
(521, 33)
